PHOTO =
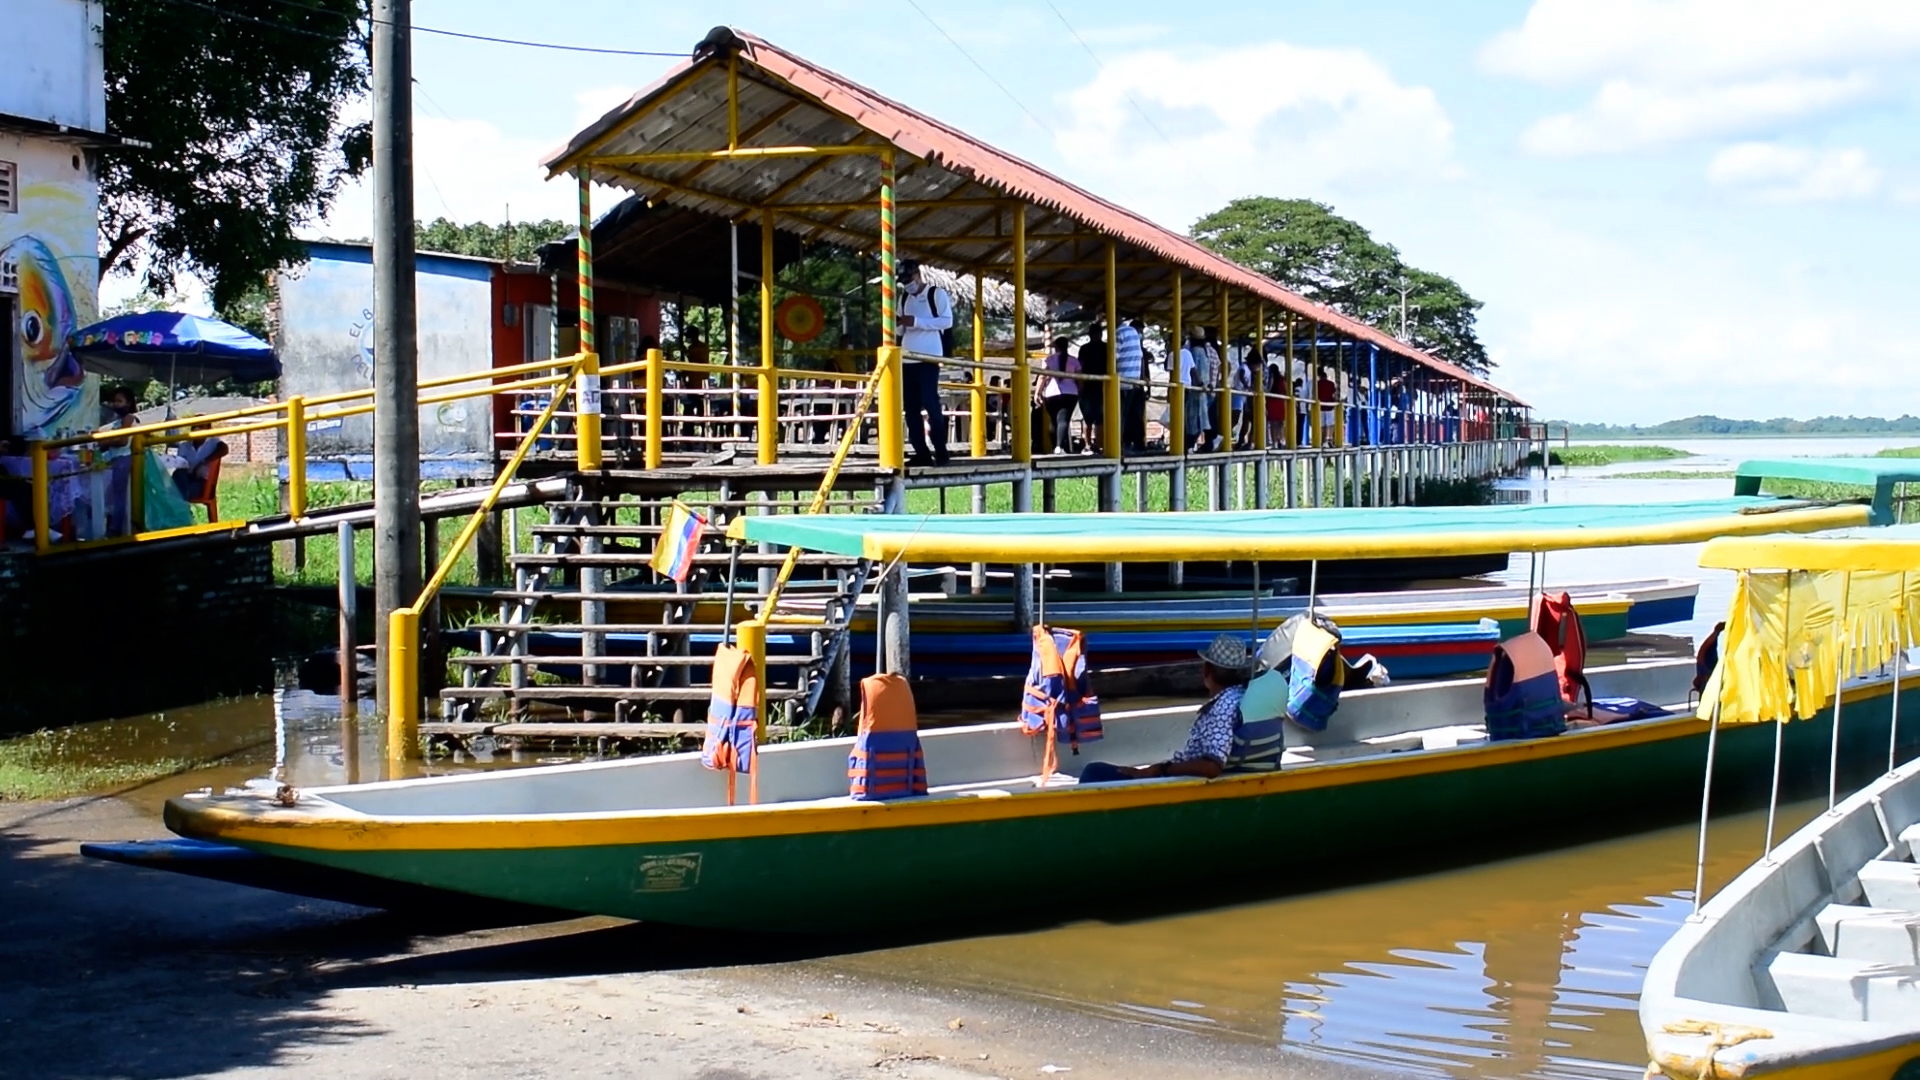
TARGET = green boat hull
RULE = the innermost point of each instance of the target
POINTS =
(1186, 852)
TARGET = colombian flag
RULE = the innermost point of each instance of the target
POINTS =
(673, 556)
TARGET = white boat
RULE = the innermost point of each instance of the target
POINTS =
(1808, 964)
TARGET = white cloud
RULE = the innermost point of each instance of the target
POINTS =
(1680, 42)
(1627, 115)
(467, 170)
(1272, 116)
(596, 101)
(1673, 70)
(1779, 173)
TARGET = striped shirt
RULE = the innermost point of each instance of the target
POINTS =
(1126, 352)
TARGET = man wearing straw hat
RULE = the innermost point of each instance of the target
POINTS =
(1224, 667)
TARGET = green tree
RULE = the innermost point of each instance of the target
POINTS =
(1331, 260)
(515, 242)
(241, 105)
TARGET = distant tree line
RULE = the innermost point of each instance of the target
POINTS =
(1719, 425)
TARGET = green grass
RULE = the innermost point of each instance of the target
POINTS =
(1609, 454)
(1900, 452)
(43, 766)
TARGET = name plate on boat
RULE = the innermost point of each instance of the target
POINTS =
(667, 873)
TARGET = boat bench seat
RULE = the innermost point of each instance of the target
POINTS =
(1843, 988)
(1910, 841)
(1881, 935)
(1889, 884)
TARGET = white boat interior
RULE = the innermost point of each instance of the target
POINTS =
(1811, 955)
(979, 761)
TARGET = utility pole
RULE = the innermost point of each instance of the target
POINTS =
(396, 374)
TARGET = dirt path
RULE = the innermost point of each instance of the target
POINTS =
(116, 972)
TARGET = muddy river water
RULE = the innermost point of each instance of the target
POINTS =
(1527, 967)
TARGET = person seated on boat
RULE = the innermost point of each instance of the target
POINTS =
(1224, 667)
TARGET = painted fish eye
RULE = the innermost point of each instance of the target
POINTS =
(32, 329)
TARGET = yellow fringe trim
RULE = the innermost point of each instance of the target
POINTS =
(1794, 636)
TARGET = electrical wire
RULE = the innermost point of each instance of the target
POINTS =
(996, 82)
(1099, 66)
(226, 14)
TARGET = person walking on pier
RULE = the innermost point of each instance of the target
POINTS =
(1058, 394)
(1095, 359)
(1193, 376)
(926, 312)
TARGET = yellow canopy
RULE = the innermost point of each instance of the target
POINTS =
(1809, 613)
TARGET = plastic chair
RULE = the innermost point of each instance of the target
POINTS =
(209, 496)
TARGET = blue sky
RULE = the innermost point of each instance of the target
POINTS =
(1668, 206)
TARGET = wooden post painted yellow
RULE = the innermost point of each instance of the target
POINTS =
(403, 685)
(42, 515)
(769, 383)
(296, 457)
(1177, 437)
(1258, 403)
(752, 638)
(656, 406)
(1223, 399)
(892, 421)
(1110, 391)
(977, 397)
(1019, 416)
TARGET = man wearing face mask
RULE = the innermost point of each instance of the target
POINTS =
(925, 311)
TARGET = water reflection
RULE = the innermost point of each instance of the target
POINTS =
(1524, 968)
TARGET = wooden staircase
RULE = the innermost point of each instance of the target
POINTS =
(589, 643)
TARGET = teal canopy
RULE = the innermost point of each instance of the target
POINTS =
(1289, 534)
(1880, 474)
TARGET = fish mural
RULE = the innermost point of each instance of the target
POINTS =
(49, 386)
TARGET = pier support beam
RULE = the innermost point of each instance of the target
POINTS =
(1109, 504)
(978, 579)
(1023, 573)
(1177, 500)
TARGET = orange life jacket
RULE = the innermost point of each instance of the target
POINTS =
(1559, 625)
(887, 762)
(733, 718)
(1059, 700)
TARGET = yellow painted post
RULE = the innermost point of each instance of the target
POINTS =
(733, 101)
(656, 405)
(769, 384)
(1019, 416)
(751, 636)
(586, 399)
(1176, 389)
(892, 428)
(1259, 402)
(1110, 393)
(136, 484)
(42, 515)
(296, 457)
(977, 426)
(403, 685)
(1293, 399)
(1224, 392)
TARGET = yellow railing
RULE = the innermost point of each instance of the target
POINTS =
(403, 624)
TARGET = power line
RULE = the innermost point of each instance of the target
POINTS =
(226, 14)
(996, 82)
(1098, 66)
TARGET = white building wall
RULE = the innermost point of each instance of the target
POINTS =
(50, 62)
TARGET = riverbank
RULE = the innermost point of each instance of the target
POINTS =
(121, 972)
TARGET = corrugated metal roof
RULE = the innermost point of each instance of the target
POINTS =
(951, 196)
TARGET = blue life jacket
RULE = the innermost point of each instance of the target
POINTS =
(1522, 694)
(1059, 695)
(887, 762)
(1257, 744)
(733, 717)
(1315, 677)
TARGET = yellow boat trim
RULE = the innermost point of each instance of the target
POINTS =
(250, 820)
(1876, 1065)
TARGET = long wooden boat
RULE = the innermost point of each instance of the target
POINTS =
(657, 838)
(1807, 965)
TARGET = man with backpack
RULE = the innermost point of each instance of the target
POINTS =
(926, 317)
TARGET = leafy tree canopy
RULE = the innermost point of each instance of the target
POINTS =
(242, 107)
(1308, 248)
(515, 242)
